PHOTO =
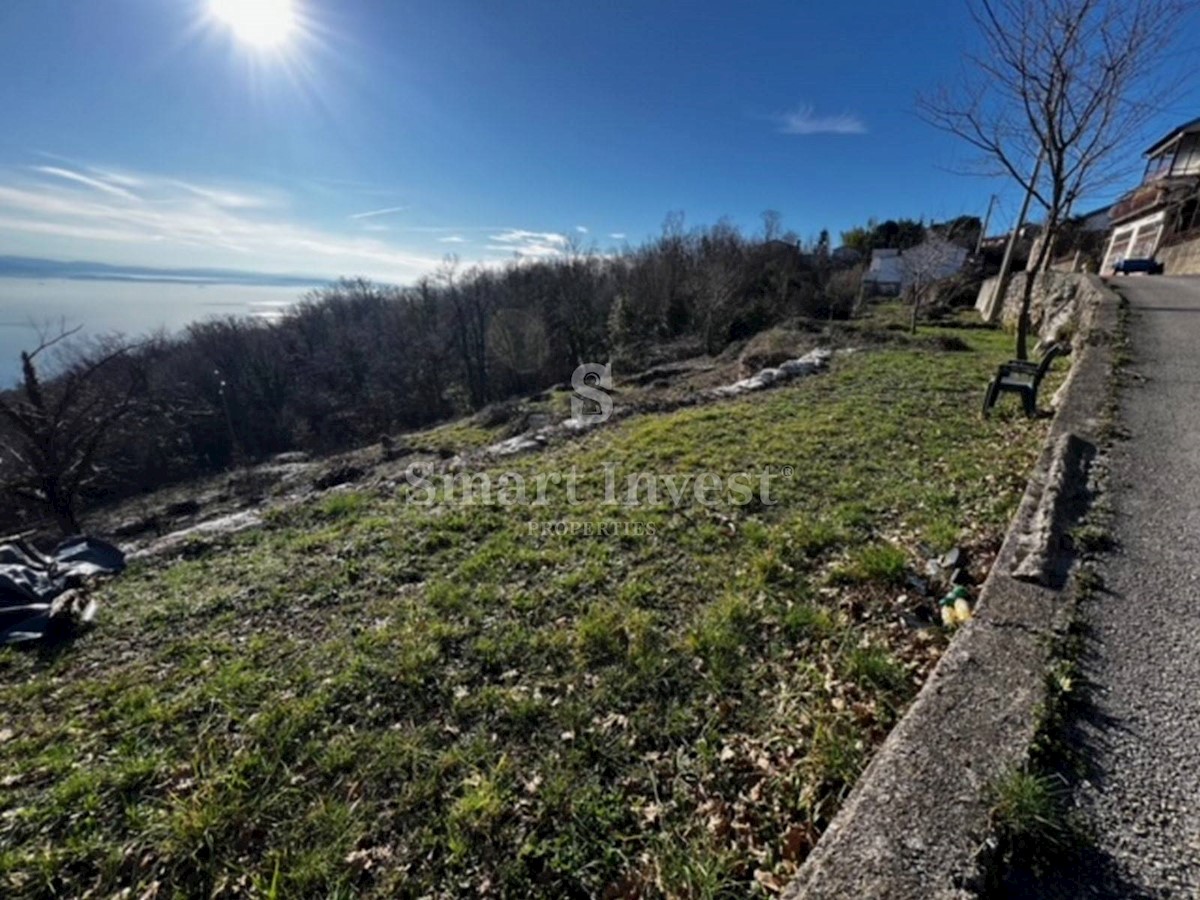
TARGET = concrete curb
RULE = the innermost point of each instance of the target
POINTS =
(916, 824)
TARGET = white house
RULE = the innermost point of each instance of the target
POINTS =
(888, 275)
(1164, 204)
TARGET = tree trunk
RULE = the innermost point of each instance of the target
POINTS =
(63, 507)
(67, 522)
(1033, 270)
(1023, 318)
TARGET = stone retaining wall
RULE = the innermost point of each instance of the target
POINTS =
(1181, 259)
(1053, 312)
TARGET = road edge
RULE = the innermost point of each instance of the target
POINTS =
(916, 824)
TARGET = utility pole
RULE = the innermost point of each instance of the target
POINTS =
(986, 221)
(1005, 267)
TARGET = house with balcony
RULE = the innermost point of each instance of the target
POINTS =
(1160, 214)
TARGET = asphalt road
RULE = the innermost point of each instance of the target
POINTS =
(1141, 732)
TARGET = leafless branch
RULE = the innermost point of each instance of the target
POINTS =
(1064, 81)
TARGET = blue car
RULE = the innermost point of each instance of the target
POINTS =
(1129, 266)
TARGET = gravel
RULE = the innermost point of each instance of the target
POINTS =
(1141, 735)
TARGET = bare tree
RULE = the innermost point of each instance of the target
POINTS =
(56, 430)
(1059, 90)
(921, 267)
(719, 281)
(772, 224)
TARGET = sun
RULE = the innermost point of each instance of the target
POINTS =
(263, 24)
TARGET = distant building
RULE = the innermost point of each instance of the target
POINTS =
(1079, 242)
(1162, 210)
(845, 256)
(885, 277)
(1095, 221)
(1028, 233)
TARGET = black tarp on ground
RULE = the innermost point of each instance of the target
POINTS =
(36, 590)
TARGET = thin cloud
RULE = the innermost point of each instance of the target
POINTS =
(805, 120)
(66, 230)
(451, 229)
(178, 222)
(225, 198)
(391, 210)
(582, 229)
(117, 178)
(518, 235)
(74, 167)
(79, 178)
(529, 244)
(617, 235)
(74, 210)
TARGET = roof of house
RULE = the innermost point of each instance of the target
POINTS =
(1187, 128)
(1097, 219)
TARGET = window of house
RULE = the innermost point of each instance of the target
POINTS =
(1146, 242)
(1160, 164)
(1187, 160)
(1119, 249)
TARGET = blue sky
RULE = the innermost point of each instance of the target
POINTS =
(386, 133)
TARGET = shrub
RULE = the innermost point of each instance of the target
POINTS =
(771, 347)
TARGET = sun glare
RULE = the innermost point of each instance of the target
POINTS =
(260, 23)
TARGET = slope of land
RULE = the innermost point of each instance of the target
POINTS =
(369, 697)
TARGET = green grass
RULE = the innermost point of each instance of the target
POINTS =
(460, 435)
(1092, 537)
(370, 698)
(1030, 815)
(875, 563)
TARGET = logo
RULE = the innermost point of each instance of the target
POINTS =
(592, 402)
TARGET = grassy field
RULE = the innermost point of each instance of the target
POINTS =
(372, 698)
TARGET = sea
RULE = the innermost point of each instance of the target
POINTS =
(129, 307)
